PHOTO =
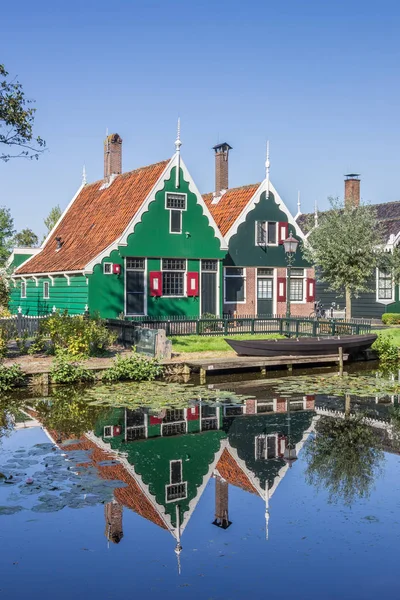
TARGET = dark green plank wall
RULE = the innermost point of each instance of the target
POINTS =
(73, 297)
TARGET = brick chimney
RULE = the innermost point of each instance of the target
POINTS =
(221, 167)
(113, 516)
(221, 503)
(112, 155)
(352, 190)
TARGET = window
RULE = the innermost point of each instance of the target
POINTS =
(265, 272)
(174, 276)
(209, 265)
(108, 431)
(385, 285)
(176, 489)
(107, 268)
(46, 290)
(297, 285)
(175, 203)
(175, 221)
(235, 282)
(23, 289)
(266, 446)
(265, 233)
(136, 264)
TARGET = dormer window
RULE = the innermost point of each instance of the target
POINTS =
(266, 233)
(176, 204)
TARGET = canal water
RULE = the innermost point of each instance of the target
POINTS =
(267, 495)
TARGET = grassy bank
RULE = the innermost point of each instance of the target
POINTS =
(393, 332)
(200, 343)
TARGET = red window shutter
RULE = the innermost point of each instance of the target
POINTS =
(155, 420)
(192, 413)
(117, 269)
(192, 284)
(117, 430)
(155, 283)
(310, 290)
(281, 289)
(283, 231)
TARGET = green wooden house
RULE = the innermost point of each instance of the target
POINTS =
(255, 221)
(137, 243)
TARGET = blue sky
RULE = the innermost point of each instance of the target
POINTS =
(319, 79)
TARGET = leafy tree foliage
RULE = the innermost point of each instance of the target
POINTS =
(52, 219)
(26, 238)
(16, 121)
(344, 248)
(344, 458)
(6, 234)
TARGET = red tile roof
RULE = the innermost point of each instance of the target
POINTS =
(95, 220)
(228, 468)
(229, 207)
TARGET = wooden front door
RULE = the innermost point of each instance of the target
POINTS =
(135, 286)
(209, 287)
(265, 296)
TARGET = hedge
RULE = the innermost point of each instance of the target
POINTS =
(391, 318)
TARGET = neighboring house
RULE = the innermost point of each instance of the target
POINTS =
(384, 295)
(136, 243)
(255, 221)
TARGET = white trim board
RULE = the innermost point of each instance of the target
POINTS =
(252, 203)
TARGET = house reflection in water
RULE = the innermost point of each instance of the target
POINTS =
(167, 459)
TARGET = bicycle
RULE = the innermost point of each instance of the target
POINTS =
(319, 312)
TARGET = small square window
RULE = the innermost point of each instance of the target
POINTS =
(265, 233)
(107, 268)
(209, 265)
(176, 201)
(108, 431)
(46, 290)
(136, 264)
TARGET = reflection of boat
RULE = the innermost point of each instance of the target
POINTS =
(351, 344)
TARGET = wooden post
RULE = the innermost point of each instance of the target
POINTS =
(203, 373)
(290, 367)
(341, 361)
(263, 371)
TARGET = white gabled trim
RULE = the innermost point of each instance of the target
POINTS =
(51, 278)
(68, 278)
(159, 185)
(36, 280)
(252, 203)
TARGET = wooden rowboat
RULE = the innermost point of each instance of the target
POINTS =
(351, 344)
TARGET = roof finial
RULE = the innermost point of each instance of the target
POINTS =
(267, 165)
(298, 203)
(84, 180)
(178, 145)
(266, 509)
(316, 214)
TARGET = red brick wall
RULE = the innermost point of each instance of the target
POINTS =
(296, 309)
(251, 406)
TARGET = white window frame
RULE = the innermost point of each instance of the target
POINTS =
(104, 268)
(184, 295)
(245, 285)
(104, 431)
(304, 278)
(181, 210)
(23, 289)
(257, 243)
(266, 436)
(46, 284)
(181, 482)
(383, 300)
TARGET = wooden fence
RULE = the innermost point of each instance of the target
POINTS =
(292, 327)
(20, 325)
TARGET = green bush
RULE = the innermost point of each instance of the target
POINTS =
(133, 368)
(77, 335)
(38, 344)
(387, 350)
(391, 319)
(4, 338)
(10, 377)
(22, 343)
(64, 370)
